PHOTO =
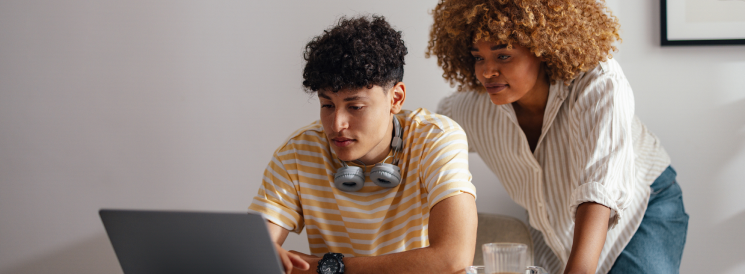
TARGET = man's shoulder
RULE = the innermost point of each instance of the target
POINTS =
(309, 137)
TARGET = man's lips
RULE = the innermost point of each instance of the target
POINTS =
(341, 141)
(493, 88)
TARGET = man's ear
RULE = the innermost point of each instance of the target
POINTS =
(398, 96)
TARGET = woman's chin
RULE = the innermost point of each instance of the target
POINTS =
(497, 99)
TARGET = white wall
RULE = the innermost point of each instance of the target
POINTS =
(180, 104)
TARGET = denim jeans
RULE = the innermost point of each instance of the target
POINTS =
(657, 246)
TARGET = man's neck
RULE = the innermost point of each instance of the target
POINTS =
(381, 150)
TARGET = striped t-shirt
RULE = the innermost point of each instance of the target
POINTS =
(592, 148)
(298, 189)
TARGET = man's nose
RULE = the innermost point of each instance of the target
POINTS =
(341, 120)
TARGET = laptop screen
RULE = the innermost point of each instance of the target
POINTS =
(190, 242)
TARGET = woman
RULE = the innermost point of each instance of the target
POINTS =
(552, 114)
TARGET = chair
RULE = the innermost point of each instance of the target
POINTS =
(500, 228)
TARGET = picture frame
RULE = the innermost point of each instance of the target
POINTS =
(702, 22)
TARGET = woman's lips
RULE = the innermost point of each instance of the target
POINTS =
(495, 88)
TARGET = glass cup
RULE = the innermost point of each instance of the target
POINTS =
(505, 258)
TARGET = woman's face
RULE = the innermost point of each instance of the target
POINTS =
(508, 74)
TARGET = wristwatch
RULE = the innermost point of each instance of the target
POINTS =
(331, 263)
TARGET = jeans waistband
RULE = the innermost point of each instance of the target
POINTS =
(664, 181)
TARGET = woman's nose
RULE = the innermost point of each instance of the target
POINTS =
(491, 70)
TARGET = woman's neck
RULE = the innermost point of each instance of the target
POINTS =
(534, 101)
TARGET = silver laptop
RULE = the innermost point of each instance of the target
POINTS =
(190, 242)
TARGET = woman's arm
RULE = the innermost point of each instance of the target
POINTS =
(603, 144)
(590, 227)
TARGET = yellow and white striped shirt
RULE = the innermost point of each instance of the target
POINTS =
(298, 189)
(592, 148)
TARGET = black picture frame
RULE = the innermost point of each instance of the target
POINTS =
(703, 42)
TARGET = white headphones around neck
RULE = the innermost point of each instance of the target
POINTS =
(352, 178)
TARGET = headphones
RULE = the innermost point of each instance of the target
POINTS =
(352, 178)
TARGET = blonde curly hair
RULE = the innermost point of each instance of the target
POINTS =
(570, 36)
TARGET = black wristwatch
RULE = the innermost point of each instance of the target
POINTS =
(331, 263)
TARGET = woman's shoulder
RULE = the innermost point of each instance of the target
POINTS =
(607, 68)
(455, 103)
(463, 96)
(605, 77)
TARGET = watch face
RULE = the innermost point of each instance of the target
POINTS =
(328, 266)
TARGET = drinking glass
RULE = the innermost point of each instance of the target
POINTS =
(505, 258)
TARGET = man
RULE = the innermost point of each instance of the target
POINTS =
(379, 189)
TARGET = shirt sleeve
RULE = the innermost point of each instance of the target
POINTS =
(602, 146)
(444, 164)
(277, 199)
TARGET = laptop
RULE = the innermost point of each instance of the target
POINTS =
(190, 242)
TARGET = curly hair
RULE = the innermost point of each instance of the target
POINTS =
(356, 53)
(570, 36)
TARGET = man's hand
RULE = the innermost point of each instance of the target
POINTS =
(311, 260)
(294, 262)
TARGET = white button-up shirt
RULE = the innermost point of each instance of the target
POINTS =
(592, 148)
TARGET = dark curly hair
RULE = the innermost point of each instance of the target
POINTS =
(356, 53)
(571, 36)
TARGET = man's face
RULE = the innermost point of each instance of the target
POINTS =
(358, 123)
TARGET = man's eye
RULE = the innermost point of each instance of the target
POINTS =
(326, 106)
(356, 107)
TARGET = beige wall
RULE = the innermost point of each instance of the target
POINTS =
(180, 104)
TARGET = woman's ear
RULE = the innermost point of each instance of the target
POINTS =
(398, 96)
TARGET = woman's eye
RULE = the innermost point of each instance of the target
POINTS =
(503, 57)
(326, 106)
(478, 58)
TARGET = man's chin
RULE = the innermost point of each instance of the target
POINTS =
(345, 155)
(347, 159)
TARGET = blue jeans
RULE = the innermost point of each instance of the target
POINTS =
(657, 246)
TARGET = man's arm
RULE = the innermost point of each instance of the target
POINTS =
(590, 229)
(452, 237)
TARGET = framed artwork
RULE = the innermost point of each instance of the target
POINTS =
(702, 22)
